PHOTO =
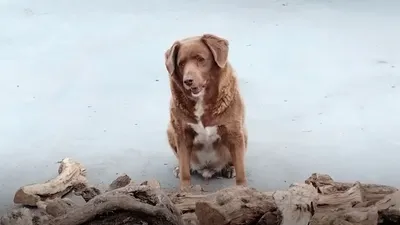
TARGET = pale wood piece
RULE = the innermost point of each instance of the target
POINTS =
(346, 199)
(185, 202)
(297, 204)
(71, 174)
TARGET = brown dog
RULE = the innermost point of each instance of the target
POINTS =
(206, 130)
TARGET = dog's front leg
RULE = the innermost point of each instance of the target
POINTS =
(236, 144)
(184, 153)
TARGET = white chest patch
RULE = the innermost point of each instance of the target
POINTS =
(205, 136)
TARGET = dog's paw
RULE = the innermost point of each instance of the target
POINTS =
(176, 172)
(228, 172)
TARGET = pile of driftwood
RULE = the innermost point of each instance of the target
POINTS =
(318, 200)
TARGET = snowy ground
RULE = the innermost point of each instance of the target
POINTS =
(86, 79)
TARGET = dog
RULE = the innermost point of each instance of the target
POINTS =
(206, 130)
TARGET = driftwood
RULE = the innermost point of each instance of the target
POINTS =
(234, 206)
(326, 186)
(351, 204)
(131, 204)
(317, 201)
(71, 174)
(297, 204)
(243, 205)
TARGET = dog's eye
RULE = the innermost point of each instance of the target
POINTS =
(200, 59)
(181, 64)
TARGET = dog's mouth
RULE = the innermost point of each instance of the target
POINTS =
(198, 91)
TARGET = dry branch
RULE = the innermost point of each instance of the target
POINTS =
(71, 174)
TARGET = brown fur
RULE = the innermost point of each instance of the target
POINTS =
(204, 59)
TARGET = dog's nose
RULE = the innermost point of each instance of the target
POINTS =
(188, 82)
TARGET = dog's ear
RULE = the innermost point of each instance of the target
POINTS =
(219, 48)
(170, 57)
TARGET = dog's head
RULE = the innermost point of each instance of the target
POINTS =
(193, 62)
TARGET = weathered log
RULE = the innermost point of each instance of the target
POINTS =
(132, 203)
(185, 202)
(353, 204)
(297, 205)
(234, 206)
(248, 206)
(326, 185)
(71, 174)
(58, 207)
(346, 199)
